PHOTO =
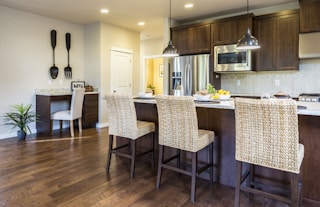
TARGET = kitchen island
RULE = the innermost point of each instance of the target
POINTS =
(219, 117)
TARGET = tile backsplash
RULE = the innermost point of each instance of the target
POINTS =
(306, 80)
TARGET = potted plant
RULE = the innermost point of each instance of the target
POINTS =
(20, 117)
(151, 88)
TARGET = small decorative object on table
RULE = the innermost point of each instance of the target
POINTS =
(77, 84)
(150, 89)
(89, 88)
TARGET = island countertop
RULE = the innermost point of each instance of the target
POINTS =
(309, 108)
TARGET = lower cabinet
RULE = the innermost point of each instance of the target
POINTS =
(278, 36)
(90, 110)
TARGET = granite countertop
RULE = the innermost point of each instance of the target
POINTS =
(312, 108)
(60, 93)
(57, 92)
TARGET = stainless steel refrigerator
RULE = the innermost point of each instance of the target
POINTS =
(189, 74)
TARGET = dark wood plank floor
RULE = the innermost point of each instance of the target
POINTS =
(61, 171)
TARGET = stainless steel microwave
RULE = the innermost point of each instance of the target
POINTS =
(228, 59)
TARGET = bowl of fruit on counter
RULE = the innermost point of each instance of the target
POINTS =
(222, 94)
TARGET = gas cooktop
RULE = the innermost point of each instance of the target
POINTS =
(309, 97)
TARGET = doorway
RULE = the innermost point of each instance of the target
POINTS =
(121, 72)
(154, 73)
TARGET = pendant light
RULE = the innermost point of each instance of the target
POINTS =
(248, 42)
(170, 50)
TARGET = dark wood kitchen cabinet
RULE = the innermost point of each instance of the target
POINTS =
(309, 15)
(230, 30)
(90, 112)
(43, 109)
(278, 36)
(194, 39)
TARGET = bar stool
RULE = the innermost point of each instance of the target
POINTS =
(178, 128)
(267, 135)
(123, 123)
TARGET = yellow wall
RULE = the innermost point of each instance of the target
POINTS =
(153, 74)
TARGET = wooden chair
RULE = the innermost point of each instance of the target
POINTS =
(178, 128)
(123, 122)
(74, 113)
(267, 135)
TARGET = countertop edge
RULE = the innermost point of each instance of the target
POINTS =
(313, 108)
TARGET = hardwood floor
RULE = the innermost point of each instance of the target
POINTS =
(61, 171)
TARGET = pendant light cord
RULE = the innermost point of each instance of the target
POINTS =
(170, 21)
(170, 15)
(248, 20)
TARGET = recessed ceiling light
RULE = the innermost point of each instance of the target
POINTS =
(141, 23)
(188, 6)
(104, 11)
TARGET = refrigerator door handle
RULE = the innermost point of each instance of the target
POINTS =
(189, 80)
(185, 79)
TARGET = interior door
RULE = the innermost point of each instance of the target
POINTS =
(121, 72)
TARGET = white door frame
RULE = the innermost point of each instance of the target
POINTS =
(122, 50)
(165, 75)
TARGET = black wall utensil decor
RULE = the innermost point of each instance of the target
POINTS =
(68, 69)
(54, 70)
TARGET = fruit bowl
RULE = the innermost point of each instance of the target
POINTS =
(222, 97)
(200, 97)
(145, 95)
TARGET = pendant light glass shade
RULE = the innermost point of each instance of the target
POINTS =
(170, 50)
(248, 42)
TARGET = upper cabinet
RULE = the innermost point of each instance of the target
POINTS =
(309, 16)
(230, 30)
(278, 36)
(192, 39)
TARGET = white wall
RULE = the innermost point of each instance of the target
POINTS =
(26, 56)
(99, 39)
(149, 49)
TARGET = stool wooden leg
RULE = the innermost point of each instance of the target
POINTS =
(238, 183)
(109, 152)
(193, 176)
(294, 190)
(152, 153)
(178, 158)
(133, 157)
(210, 161)
(161, 148)
(300, 187)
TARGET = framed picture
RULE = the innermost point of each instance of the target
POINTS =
(161, 70)
(77, 84)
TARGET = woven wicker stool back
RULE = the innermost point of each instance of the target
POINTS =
(178, 128)
(267, 135)
(123, 123)
(178, 123)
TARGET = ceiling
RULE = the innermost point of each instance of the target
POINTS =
(127, 13)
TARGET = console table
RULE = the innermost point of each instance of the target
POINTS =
(43, 109)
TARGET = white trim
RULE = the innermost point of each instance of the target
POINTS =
(118, 49)
(143, 71)
(102, 125)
